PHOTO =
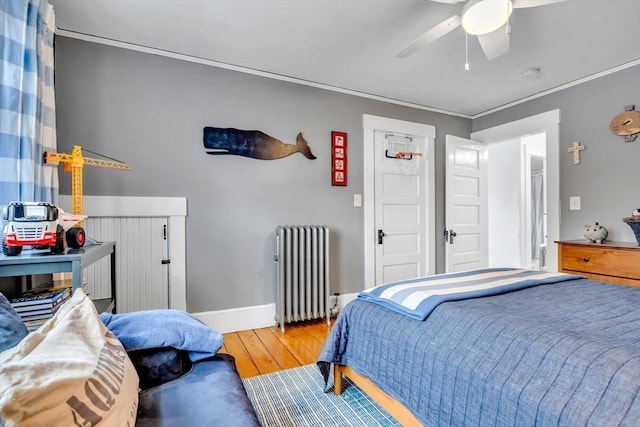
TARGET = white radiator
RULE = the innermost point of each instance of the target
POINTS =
(142, 280)
(302, 274)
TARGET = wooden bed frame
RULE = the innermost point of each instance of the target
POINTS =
(388, 403)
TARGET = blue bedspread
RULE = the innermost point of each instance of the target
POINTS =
(566, 354)
(418, 297)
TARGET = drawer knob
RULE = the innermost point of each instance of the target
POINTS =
(585, 259)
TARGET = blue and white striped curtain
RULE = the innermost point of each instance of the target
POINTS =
(27, 101)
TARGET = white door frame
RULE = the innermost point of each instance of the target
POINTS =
(549, 123)
(370, 124)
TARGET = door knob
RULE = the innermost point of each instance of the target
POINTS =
(452, 234)
(380, 236)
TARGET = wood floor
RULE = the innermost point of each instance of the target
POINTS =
(261, 351)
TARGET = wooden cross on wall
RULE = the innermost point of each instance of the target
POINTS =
(576, 148)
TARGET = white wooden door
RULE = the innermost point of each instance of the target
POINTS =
(465, 205)
(400, 208)
(142, 269)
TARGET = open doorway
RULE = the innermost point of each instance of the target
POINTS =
(507, 234)
(517, 202)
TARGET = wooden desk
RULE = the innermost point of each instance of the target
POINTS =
(614, 262)
(73, 260)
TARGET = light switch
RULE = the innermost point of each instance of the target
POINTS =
(357, 200)
(574, 203)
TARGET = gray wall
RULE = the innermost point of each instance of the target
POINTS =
(608, 176)
(149, 111)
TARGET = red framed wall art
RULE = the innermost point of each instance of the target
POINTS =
(338, 158)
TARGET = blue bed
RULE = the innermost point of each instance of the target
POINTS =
(566, 354)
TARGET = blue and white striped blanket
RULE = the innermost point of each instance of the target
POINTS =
(418, 297)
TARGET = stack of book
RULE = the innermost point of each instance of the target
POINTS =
(36, 306)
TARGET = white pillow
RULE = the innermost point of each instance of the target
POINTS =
(71, 371)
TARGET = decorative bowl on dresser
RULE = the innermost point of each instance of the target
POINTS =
(615, 262)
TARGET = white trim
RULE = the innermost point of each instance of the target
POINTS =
(217, 64)
(431, 203)
(252, 71)
(131, 206)
(401, 126)
(252, 317)
(370, 124)
(178, 267)
(559, 88)
(175, 208)
(528, 125)
(549, 123)
(239, 319)
(345, 299)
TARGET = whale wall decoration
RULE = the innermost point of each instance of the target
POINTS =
(251, 143)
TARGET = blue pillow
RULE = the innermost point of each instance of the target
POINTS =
(12, 330)
(164, 328)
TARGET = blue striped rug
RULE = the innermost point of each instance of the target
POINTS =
(296, 398)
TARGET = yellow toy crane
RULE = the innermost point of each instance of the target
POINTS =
(74, 163)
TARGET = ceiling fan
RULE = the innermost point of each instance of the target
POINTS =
(487, 19)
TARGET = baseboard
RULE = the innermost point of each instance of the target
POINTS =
(254, 317)
(239, 319)
(346, 299)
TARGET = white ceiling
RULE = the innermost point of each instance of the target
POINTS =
(348, 45)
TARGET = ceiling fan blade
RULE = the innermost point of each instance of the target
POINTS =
(430, 36)
(517, 4)
(495, 43)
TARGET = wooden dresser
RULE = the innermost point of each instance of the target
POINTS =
(614, 262)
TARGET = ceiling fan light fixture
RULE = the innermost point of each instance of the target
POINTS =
(484, 16)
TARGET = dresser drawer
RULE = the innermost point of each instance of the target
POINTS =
(617, 262)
